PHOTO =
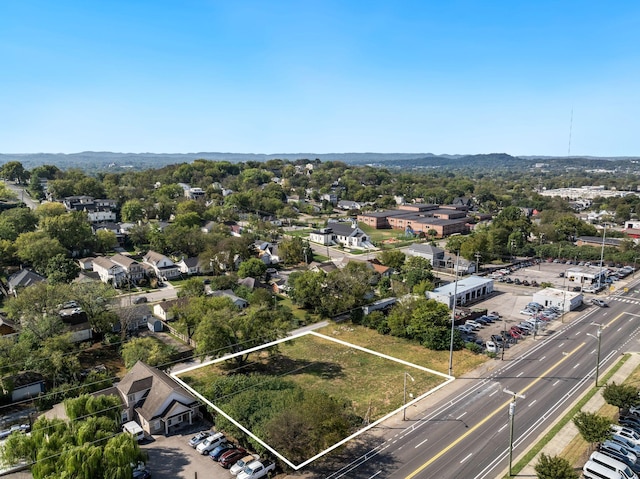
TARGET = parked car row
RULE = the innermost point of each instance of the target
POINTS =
(618, 457)
(229, 455)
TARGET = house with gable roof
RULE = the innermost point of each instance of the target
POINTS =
(110, 272)
(154, 399)
(345, 234)
(164, 268)
(133, 270)
(22, 279)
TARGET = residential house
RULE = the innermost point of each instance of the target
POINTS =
(427, 251)
(97, 210)
(134, 317)
(155, 400)
(8, 328)
(163, 310)
(109, 272)
(86, 264)
(348, 205)
(22, 279)
(190, 266)
(133, 269)
(164, 268)
(267, 252)
(460, 265)
(24, 385)
(238, 302)
(380, 269)
(345, 234)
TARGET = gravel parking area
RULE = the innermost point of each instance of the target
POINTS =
(171, 457)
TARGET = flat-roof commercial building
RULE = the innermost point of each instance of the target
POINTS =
(468, 290)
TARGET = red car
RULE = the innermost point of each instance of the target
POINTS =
(229, 458)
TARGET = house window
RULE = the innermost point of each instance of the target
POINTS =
(131, 398)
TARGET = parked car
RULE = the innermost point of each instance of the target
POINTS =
(220, 450)
(232, 456)
(473, 324)
(210, 443)
(466, 329)
(619, 448)
(627, 433)
(141, 474)
(140, 300)
(492, 347)
(242, 463)
(198, 438)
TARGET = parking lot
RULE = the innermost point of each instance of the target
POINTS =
(171, 457)
(509, 299)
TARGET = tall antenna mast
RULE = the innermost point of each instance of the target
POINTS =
(570, 128)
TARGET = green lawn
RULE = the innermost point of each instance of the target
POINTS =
(370, 383)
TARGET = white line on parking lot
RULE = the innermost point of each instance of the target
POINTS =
(420, 444)
(471, 454)
(379, 472)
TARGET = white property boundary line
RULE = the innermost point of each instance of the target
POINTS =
(322, 336)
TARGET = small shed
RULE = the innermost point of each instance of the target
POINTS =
(155, 325)
(565, 300)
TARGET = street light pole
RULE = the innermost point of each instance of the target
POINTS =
(453, 314)
(604, 235)
(597, 337)
(512, 413)
(404, 407)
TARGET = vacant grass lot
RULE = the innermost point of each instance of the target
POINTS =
(374, 386)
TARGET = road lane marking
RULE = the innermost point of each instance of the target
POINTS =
(503, 427)
(560, 345)
(556, 382)
(592, 351)
(489, 416)
(471, 454)
(532, 402)
(421, 443)
(461, 415)
(520, 374)
(379, 472)
(494, 392)
(578, 364)
(542, 358)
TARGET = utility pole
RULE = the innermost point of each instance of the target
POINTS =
(453, 314)
(512, 413)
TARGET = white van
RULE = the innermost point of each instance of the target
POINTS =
(592, 470)
(134, 429)
(613, 464)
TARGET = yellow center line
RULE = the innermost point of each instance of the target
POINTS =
(490, 415)
(613, 320)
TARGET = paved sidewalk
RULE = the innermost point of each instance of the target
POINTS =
(569, 431)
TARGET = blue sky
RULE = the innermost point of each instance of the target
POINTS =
(321, 76)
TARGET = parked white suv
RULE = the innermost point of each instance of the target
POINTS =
(210, 443)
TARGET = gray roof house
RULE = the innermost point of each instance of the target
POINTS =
(427, 251)
(23, 279)
(155, 400)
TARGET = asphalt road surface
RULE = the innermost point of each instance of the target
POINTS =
(467, 434)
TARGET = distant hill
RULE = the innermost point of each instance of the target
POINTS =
(105, 160)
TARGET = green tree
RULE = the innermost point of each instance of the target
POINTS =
(89, 405)
(16, 221)
(86, 448)
(61, 269)
(252, 268)
(294, 250)
(52, 208)
(554, 467)
(73, 230)
(392, 258)
(623, 396)
(106, 240)
(132, 211)
(14, 171)
(148, 350)
(192, 287)
(593, 428)
(37, 247)
(307, 289)
(5, 192)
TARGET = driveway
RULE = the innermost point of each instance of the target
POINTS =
(171, 457)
